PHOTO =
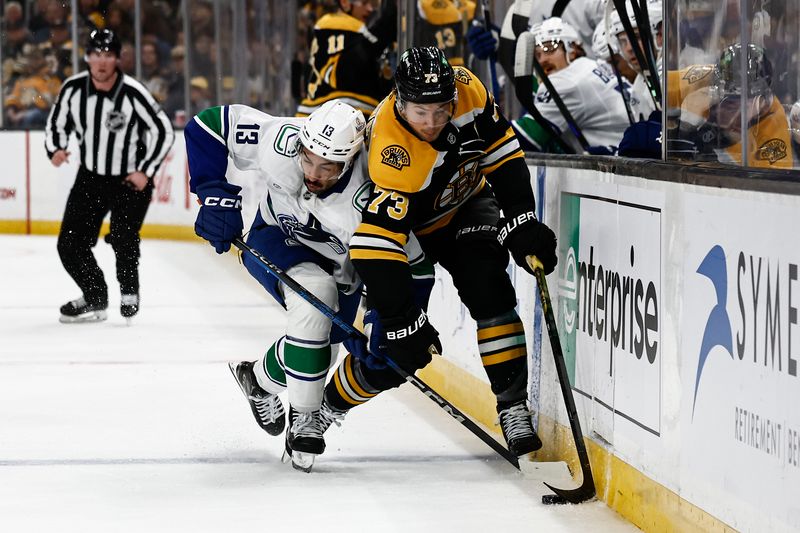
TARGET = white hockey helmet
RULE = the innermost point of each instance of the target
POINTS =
(654, 15)
(554, 30)
(600, 43)
(334, 132)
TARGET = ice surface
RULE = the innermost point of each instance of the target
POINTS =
(109, 428)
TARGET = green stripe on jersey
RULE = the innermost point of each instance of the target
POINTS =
(212, 117)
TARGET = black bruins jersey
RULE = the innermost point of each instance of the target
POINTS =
(344, 62)
(444, 24)
(419, 186)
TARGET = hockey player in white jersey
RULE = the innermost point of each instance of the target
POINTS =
(315, 187)
(583, 15)
(642, 103)
(589, 89)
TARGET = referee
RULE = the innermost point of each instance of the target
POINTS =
(123, 136)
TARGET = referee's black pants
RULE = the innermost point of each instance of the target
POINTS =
(91, 198)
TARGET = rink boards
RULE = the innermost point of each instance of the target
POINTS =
(677, 305)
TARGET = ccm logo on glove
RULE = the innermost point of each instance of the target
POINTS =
(214, 201)
(421, 320)
(512, 224)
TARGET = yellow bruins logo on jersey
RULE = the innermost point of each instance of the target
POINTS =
(696, 73)
(462, 76)
(395, 156)
(773, 150)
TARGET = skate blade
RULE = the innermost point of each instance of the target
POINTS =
(129, 321)
(302, 461)
(94, 316)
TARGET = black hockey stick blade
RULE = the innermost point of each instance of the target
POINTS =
(348, 328)
(586, 490)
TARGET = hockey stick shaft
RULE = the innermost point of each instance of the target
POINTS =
(487, 20)
(348, 328)
(649, 74)
(620, 84)
(586, 490)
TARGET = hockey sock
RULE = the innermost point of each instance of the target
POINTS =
(348, 387)
(501, 343)
(306, 364)
(269, 372)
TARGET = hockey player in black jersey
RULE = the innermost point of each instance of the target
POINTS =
(345, 56)
(444, 162)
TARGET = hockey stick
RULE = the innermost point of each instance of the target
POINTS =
(449, 408)
(523, 88)
(628, 110)
(586, 490)
(559, 7)
(528, 49)
(487, 21)
(648, 71)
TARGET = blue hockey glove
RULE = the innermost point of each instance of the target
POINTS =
(523, 235)
(220, 218)
(482, 41)
(372, 350)
(643, 139)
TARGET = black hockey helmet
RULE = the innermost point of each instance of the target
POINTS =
(424, 76)
(759, 71)
(103, 41)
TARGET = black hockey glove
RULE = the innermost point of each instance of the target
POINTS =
(523, 235)
(411, 340)
(220, 218)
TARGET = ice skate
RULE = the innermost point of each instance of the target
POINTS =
(129, 306)
(303, 439)
(515, 421)
(267, 408)
(329, 416)
(78, 311)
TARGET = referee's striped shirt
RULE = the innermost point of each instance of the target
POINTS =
(119, 131)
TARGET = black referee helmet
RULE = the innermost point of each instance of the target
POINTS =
(424, 76)
(103, 41)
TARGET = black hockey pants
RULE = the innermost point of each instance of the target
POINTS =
(91, 198)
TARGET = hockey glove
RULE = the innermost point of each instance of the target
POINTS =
(372, 349)
(481, 41)
(523, 235)
(220, 218)
(643, 139)
(411, 340)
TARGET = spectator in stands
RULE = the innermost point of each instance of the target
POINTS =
(37, 20)
(120, 22)
(56, 14)
(33, 93)
(16, 34)
(175, 87)
(345, 56)
(199, 95)
(203, 59)
(588, 88)
(153, 76)
(90, 14)
(127, 58)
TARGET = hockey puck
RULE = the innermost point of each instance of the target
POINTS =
(553, 499)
